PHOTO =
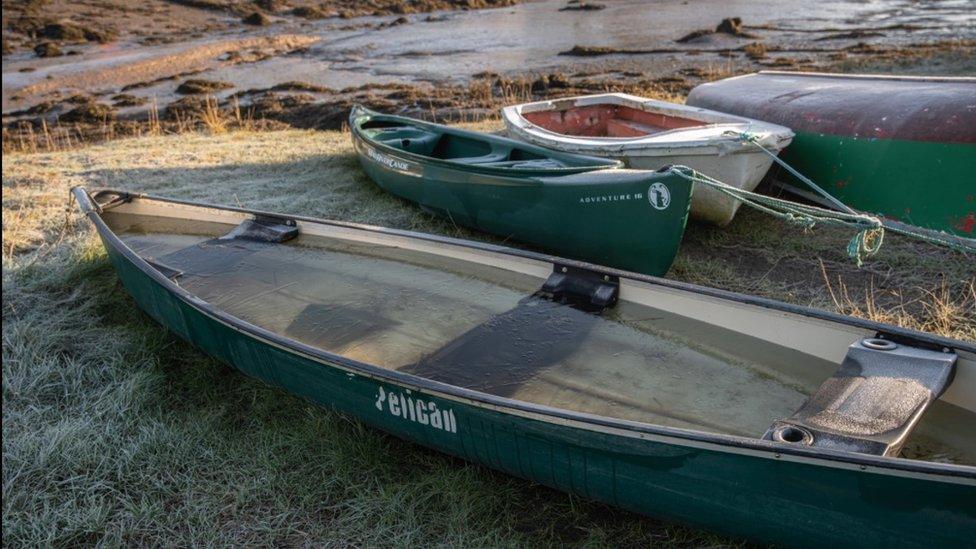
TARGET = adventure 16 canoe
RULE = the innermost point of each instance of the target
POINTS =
(647, 134)
(578, 206)
(900, 146)
(750, 417)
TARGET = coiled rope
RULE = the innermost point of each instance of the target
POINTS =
(865, 243)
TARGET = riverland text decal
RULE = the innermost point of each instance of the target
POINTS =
(390, 162)
(410, 408)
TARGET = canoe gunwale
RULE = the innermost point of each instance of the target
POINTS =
(357, 134)
(943, 472)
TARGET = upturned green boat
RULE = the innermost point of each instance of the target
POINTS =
(579, 206)
(746, 416)
(900, 146)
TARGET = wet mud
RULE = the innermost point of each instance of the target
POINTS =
(189, 61)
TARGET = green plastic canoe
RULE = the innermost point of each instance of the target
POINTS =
(578, 206)
(903, 147)
(749, 417)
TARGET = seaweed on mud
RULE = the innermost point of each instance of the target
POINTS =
(127, 100)
(79, 99)
(256, 19)
(671, 79)
(395, 22)
(71, 32)
(41, 108)
(860, 33)
(579, 5)
(730, 25)
(549, 81)
(187, 107)
(302, 86)
(312, 12)
(270, 105)
(755, 50)
(271, 5)
(48, 49)
(196, 86)
(589, 51)
(211, 5)
(89, 113)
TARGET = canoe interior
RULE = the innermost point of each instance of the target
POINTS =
(480, 326)
(469, 148)
(608, 120)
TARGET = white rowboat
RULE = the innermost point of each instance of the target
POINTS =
(649, 134)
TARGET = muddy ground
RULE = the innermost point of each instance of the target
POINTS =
(94, 70)
(29, 23)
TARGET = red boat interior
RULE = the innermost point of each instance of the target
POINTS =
(608, 120)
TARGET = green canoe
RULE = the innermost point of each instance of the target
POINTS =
(753, 418)
(903, 147)
(578, 206)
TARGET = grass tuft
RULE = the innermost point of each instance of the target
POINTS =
(117, 433)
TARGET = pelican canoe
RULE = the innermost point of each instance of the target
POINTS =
(648, 134)
(750, 417)
(900, 146)
(579, 206)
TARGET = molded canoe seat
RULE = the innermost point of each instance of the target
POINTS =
(409, 139)
(264, 228)
(485, 159)
(538, 164)
(872, 402)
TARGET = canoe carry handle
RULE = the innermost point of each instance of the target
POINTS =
(581, 288)
(100, 201)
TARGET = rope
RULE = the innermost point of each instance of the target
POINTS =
(754, 139)
(959, 244)
(865, 243)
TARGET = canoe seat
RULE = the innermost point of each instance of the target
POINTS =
(484, 159)
(872, 402)
(409, 139)
(264, 228)
(541, 164)
(514, 158)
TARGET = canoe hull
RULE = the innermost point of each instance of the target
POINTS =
(759, 495)
(929, 185)
(898, 146)
(608, 216)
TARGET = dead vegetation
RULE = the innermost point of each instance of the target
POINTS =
(945, 310)
(308, 105)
